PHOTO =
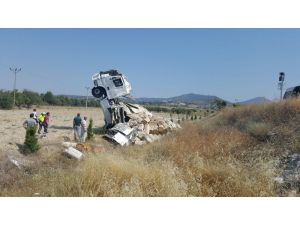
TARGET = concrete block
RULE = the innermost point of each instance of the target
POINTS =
(74, 153)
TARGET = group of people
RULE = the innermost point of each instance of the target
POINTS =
(40, 122)
(80, 128)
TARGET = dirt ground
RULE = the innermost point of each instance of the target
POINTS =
(12, 133)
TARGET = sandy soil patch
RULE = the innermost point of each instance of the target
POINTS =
(12, 133)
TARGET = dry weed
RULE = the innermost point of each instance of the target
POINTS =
(232, 154)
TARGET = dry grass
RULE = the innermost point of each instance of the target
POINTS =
(232, 154)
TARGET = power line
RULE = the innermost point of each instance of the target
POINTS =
(15, 71)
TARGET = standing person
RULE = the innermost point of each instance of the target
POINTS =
(30, 122)
(41, 119)
(76, 127)
(83, 129)
(34, 115)
(46, 122)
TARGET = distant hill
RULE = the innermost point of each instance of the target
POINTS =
(191, 98)
(255, 101)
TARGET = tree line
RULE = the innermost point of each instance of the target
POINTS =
(28, 98)
(174, 110)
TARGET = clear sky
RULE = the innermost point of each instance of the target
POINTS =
(229, 63)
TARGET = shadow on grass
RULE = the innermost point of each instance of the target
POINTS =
(20, 148)
(99, 130)
(62, 127)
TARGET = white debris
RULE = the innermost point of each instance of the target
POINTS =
(139, 142)
(74, 153)
(69, 144)
(15, 163)
(279, 180)
(154, 137)
(148, 138)
(123, 128)
(118, 138)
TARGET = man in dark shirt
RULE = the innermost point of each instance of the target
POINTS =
(76, 127)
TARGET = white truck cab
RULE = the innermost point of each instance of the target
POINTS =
(111, 84)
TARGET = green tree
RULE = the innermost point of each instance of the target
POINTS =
(49, 98)
(31, 142)
(6, 100)
(31, 98)
(219, 104)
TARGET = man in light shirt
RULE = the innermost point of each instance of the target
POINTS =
(30, 122)
(34, 115)
(83, 129)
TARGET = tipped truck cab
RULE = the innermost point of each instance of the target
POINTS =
(111, 84)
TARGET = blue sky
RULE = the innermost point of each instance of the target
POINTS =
(230, 63)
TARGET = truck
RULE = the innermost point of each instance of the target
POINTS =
(109, 86)
(292, 92)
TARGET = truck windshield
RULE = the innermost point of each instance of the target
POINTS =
(118, 82)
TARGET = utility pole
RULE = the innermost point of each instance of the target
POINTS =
(87, 93)
(15, 71)
(281, 83)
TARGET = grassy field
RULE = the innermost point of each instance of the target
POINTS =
(234, 153)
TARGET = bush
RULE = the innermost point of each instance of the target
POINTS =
(259, 130)
(90, 133)
(31, 141)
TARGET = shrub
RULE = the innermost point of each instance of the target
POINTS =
(259, 130)
(31, 141)
(90, 133)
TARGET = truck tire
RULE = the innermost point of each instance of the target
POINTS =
(99, 92)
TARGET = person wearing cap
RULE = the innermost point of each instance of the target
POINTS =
(41, 119)
(30, 122)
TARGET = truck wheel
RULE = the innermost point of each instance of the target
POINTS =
(98, 92)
